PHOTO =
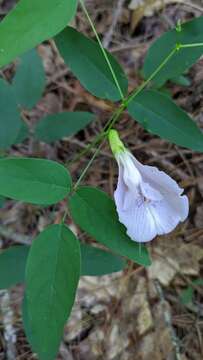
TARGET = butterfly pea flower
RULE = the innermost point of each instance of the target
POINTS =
(148, 201)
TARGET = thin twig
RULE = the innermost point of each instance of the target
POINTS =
(117, 12)
(125, 47)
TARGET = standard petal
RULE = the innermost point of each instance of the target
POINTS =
(158, 179)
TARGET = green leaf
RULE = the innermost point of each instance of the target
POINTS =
(161, 116)
(191, 33)
(30, 23)
(96, 214)
(22, 134)
(2, 201)
(12, 266)
(85, 59)
(181, 80)
(55, 127)
(186, 296)
(10, 121)
(29, 80)
(26, 322)
(35, 181)
(94, 262)
(165, 91)
(97, 262)
(52, 275)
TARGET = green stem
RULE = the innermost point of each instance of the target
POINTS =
(105, 131)
(151, 77)
(102, 49)
(98, 137)
(119, 111)
(64, 216)
(182, 46)
(87, 167)
(87, 149)
(125, 102)
(114, 118)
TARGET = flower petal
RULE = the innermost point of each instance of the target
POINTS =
(168, 213)
(121, 189)
(135, 215)
(148, 201)
(149, 192)
(131, 174)
(157, 178)
(133, 212)
(180, 205)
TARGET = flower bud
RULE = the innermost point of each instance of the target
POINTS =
(115, 143)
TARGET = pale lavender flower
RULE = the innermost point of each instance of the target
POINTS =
(148, 201)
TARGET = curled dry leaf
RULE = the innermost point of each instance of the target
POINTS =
(146, 8)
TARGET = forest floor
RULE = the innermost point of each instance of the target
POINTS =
(139, 314)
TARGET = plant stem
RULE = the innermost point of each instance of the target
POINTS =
(102, 49)
(125, 102)
(151, 77)
(182, 46)
(64, 216)
(98, 137)
(87, 167)
(88, 148)
(117, 114)
(105, 131)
